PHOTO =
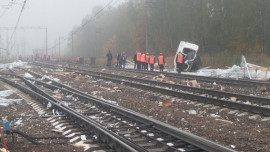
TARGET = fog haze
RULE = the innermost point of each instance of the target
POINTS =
(59, 16)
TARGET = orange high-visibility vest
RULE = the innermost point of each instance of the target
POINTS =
(180, 58)
(147, 58)
(143, 58)
(160, 60)
(152, 59)
(139, 56)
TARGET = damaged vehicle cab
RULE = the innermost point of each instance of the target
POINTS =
(192, 61)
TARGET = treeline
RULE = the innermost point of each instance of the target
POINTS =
(230, 27)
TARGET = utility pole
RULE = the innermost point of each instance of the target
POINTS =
(146, 25)
(72, 44)
(59, 46)
(46, 41)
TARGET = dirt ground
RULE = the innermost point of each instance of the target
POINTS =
(235, 129)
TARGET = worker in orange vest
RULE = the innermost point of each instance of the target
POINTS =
(143, 61)
(138, 60)
(152, 62)
(179, 62)
(161, 62)
(48, 57)
(147, 61)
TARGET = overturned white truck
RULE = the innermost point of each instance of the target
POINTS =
(192, 61)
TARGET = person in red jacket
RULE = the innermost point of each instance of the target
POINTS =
(179, 62)
(161, 62)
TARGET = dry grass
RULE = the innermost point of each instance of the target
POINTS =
(226, 59)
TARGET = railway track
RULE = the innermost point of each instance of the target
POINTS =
(122, 129)
(227, 81)
(253, 104)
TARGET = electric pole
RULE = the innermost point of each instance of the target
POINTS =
(146, 25)
(72, 44)
(46, 41)
(59, 46)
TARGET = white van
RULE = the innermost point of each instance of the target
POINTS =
(192, 61)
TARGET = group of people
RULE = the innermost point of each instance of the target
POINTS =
(42, 57)
(143, 60)
(121, 59)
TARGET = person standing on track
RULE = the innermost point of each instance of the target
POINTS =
(179, 62)
(124, 59)
(147, 61)
(152, 62)
(139, 60)
(161, 62)
(109, 58)
(135, 60)
(143, 61)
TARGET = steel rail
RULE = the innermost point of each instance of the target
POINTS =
(84, 122)
(203, 99)
(190, 138)
(220, 94)
(228, 81)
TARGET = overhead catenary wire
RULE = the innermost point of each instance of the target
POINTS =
(91, 19)
(17, 23)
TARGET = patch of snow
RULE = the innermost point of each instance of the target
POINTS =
(28, 75)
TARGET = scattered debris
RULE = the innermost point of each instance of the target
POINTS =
(58, 96)
(194, 83)
(214, 115)
(192, 112)
(27, 75)
(165, 103)
(116, 89)
(3, 150)
(262, 88)
(57, 130)
(233, 99)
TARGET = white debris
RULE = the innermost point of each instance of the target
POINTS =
(18, 123)
(246, 70)
(6, 102)
(49, 105)
(83, 137)
(214, 115)
(233, 146)
(27, 75)
(5, 93)
(170, 144)
(56, 79)
(192, 112)
(13, 64)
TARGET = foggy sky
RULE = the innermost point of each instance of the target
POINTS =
(59, 16)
